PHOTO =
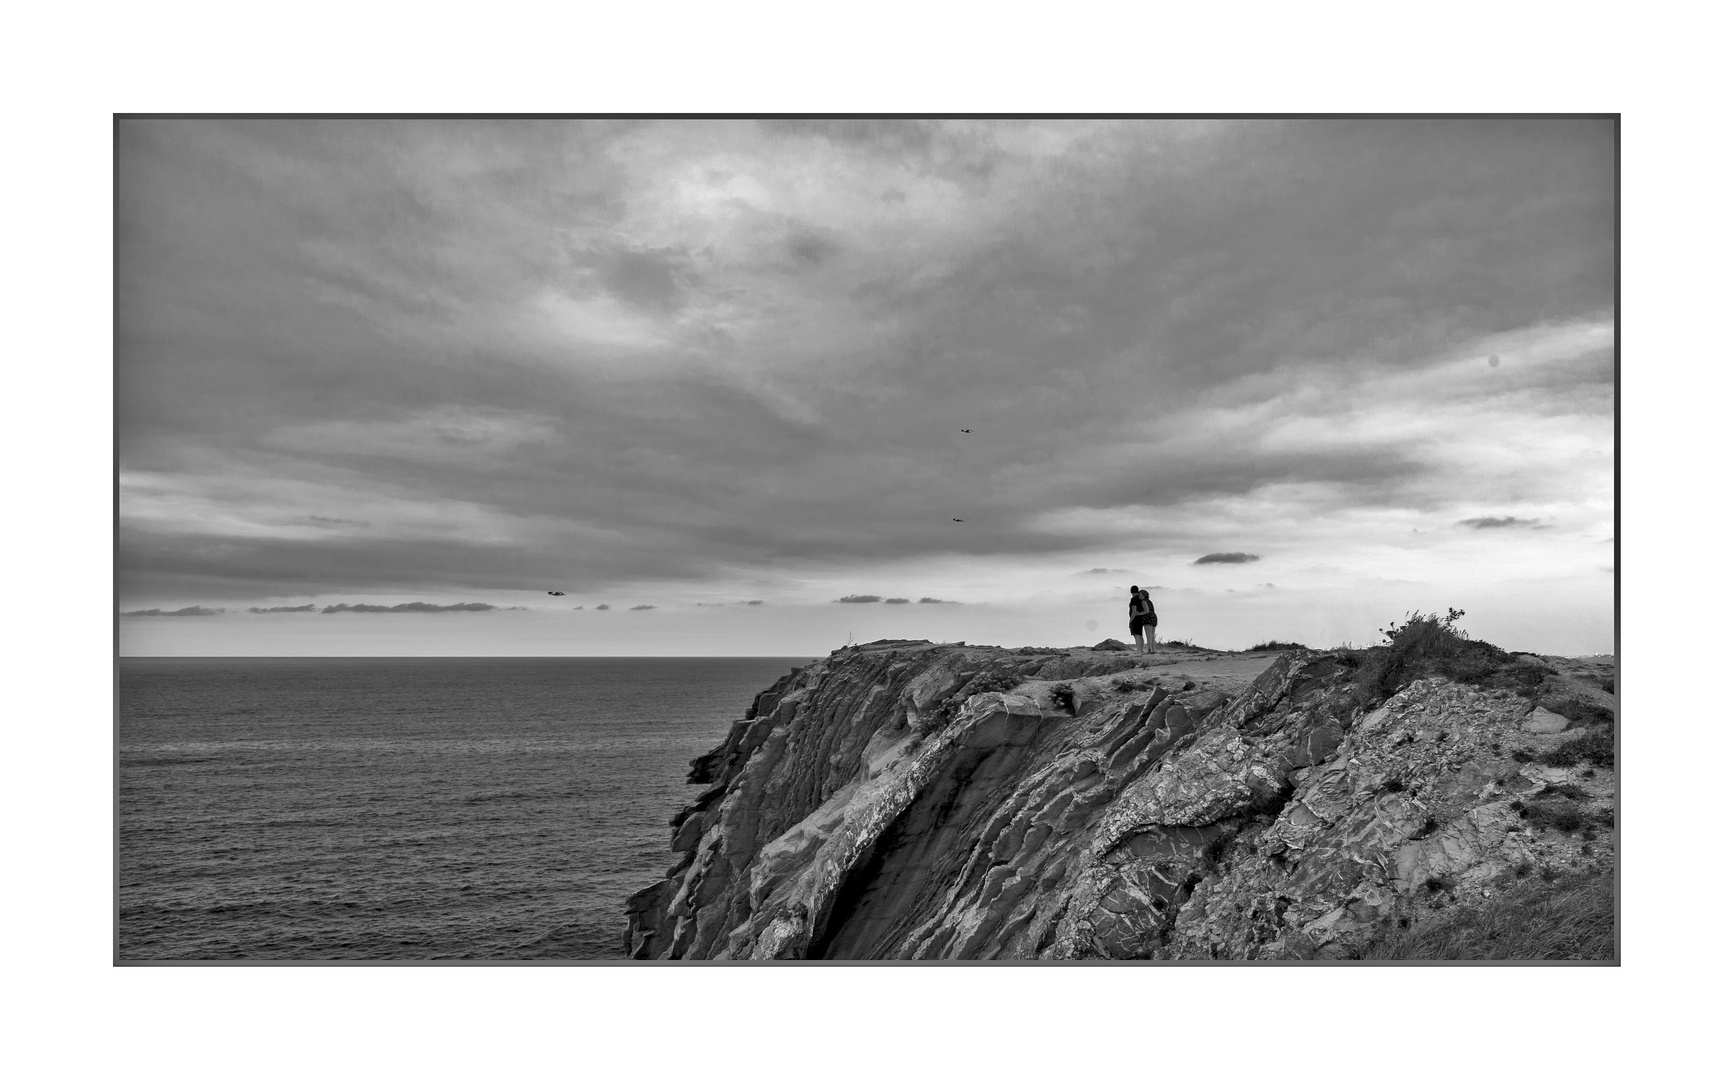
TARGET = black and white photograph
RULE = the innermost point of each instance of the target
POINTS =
(1007, 539)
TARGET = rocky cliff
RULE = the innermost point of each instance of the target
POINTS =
(906, 800)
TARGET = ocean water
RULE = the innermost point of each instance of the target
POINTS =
(405, 808)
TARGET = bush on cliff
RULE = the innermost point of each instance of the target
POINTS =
(1596, 748)
(1570, 917)
(1427, 645)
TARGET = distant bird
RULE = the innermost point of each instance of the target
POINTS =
(964, 430)
(555, 592)
(957, 519)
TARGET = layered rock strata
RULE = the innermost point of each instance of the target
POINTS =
(912, 801)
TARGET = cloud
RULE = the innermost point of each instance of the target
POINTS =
(578, 607)
(717, 348)
(413, 607)
(602, 607)
(270, 610)
(1100, 570)
(752, 603)
(179, 611)
(1500, 522)
(642, 607)
(933, 600)
(1224, 557)
(857, 599)
(897, 600)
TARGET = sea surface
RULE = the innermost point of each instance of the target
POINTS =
(418, 809)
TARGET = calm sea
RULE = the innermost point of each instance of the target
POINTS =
(405, 809)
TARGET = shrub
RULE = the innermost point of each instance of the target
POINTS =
(1273, 645)
(1064, 697)
(1557, 917)
(988, 682)
(1562, 814)
(1596, 747)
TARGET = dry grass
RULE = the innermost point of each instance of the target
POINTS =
(1568, 918)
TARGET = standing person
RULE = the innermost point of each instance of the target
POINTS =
(1149, 621)
(1141, 620)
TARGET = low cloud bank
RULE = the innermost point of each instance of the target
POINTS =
(858, 599)
(195, 610)
(934, 600)
(409, 608)
(274, 610)
(1224, 557)
(643, 607)
(897, 600)
(1500, 522)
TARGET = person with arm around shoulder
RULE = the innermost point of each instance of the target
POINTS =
(1141, 616)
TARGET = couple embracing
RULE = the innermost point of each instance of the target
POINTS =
(1142, 614)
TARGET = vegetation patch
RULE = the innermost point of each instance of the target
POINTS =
(1561, 814)
(988, 682)
(1551, 917)
(1272, 646)
(1594, 748)
(1064, 697)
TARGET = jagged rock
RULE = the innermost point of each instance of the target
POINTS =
(872, 806)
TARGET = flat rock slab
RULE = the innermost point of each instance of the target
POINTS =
(1543, 722)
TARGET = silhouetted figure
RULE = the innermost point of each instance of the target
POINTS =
(1141, 614)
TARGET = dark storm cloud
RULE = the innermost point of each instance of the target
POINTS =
(413, 607)
(635, 352)
(1500, 522)
(272, 610)
(857, 599)
(1224, 557)
(195, 610)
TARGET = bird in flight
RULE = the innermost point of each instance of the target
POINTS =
(957, 519)
(555, 592)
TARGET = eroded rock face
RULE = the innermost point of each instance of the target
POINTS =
(879, 805)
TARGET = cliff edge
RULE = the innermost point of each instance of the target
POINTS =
(910, 801)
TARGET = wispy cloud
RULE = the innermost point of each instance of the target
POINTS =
(179, 611)
(934, 600)
(1224, 557)
(1500, 522)
(273, 610)
(413, 607)
(642, 607)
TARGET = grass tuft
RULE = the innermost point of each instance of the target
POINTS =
(1567, 917)
(1595, 748)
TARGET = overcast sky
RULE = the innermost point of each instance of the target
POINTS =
(399, 379)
